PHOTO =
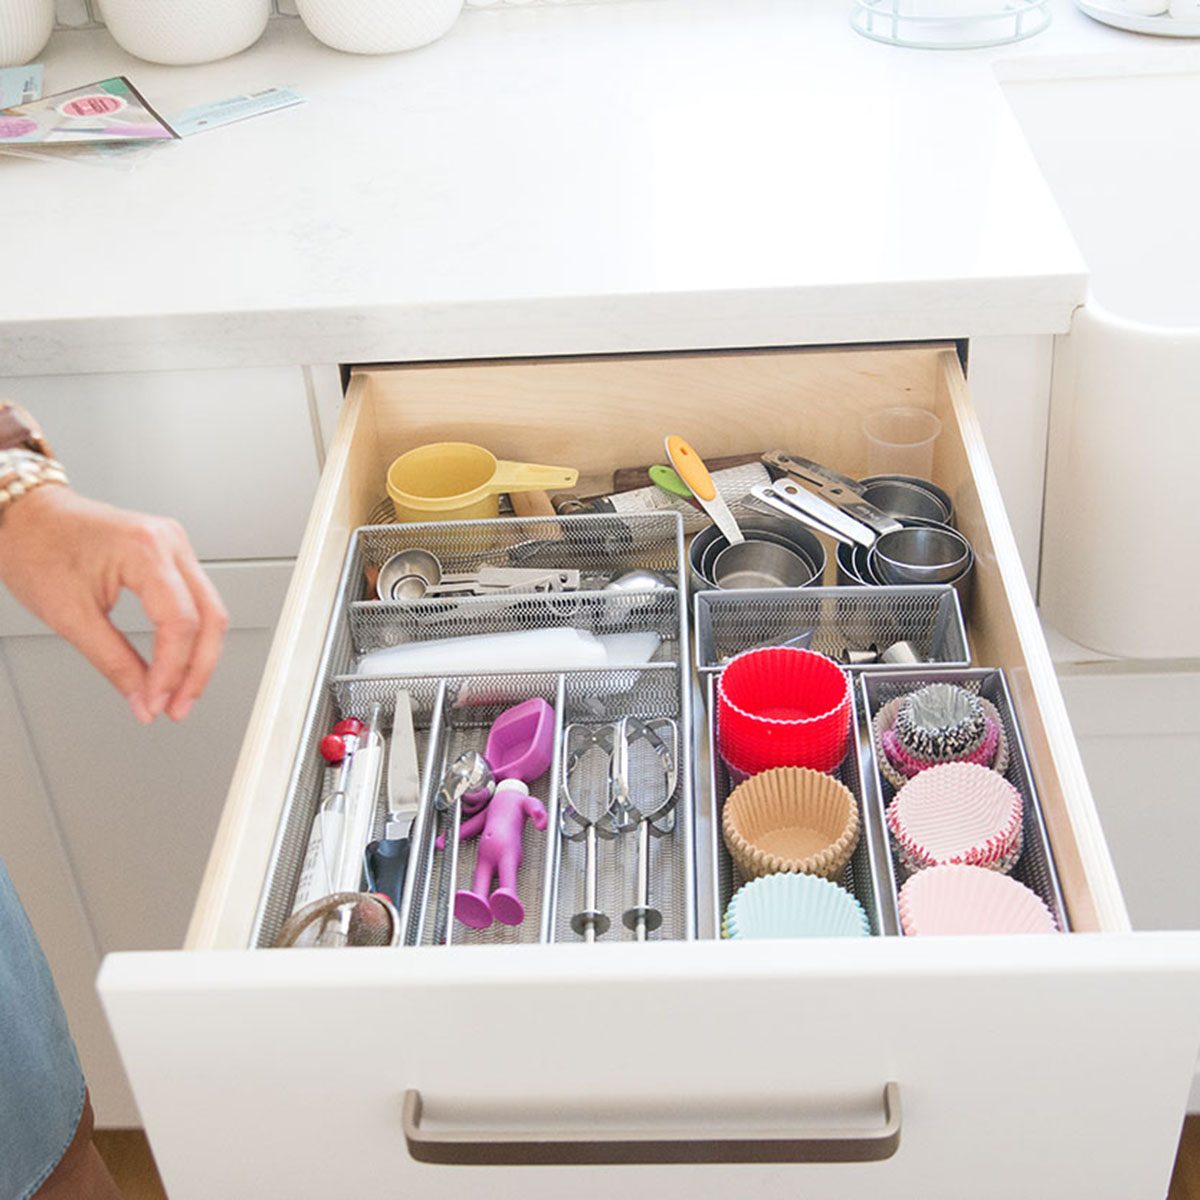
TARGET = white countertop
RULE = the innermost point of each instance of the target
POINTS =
(646, 174)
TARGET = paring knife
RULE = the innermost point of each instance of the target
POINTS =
(386, 860)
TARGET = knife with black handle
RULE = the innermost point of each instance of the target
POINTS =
(386, 860)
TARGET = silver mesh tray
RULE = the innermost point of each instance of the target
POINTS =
(600, 547)
(1035, 868)
(865, 873)
(840, 617)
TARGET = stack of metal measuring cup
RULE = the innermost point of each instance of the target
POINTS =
(889, 529)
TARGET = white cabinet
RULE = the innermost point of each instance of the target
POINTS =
(1139, 731)
(232, 454)
(1057, 1067)
(106, 825)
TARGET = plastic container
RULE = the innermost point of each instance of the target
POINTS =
(457, 481)
(378, 26)
(25, 28)
(185, 31)
(900, 441)
(783, 707)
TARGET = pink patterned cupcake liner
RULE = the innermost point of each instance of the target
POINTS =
(957, 813)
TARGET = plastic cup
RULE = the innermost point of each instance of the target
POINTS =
(783, 707)
(900, 441)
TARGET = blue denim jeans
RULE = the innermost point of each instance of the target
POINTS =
(41, 1085)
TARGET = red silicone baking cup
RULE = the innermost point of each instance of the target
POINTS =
(783, 707)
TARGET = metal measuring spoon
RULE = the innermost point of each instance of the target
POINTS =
(468, 778)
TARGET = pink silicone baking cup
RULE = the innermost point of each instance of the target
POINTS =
(956, 813)
(950, 900)
(783, 707)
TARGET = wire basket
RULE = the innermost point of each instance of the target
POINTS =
(842, 618)
(1035, 868)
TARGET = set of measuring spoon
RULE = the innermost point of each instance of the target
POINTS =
(618, 779)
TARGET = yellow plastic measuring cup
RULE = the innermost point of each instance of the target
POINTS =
(457, 481)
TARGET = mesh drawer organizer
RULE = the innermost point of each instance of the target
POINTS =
(864, 873)
(1035, 868)
(840, 618)
(453, 712)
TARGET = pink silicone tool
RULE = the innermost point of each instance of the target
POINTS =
(520, 744)
(502, 824)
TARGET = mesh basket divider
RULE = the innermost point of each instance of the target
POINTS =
(729, 622)
(600, 546)
(554, 842)
(424, 830)
(862, 875)
(883, 873)
(1035, 867)
(714, 757)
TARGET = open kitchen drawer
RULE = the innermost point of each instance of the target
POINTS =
(937, 1068)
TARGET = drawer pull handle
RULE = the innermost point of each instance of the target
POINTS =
(644, 1147)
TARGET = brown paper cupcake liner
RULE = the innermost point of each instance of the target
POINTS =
(791, 819)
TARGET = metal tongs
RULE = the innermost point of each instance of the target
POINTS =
(830, 502)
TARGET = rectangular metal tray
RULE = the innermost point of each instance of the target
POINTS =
(865, 873)
(726, 623)
(1035, 868)
(599, 545)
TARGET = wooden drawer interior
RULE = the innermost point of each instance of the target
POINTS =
(601, 414)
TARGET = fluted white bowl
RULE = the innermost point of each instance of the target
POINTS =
(25, 28)
(178, 32)
(378, 26)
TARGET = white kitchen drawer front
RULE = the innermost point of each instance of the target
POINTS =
(1059, 1066)
(1054, 1067)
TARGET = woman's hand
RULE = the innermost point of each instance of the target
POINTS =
(67, 559)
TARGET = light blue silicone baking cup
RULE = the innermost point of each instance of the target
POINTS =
(794, 906)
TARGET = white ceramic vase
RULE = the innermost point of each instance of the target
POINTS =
(177, 32)
(25, 28)
(378, 26)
